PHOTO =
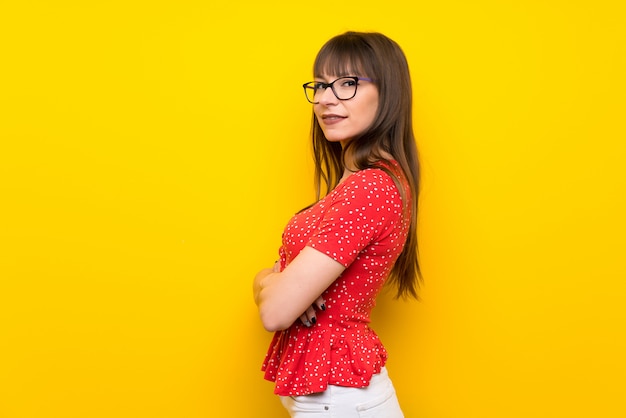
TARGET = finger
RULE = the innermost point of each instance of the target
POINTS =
(276, 268)
(310, 313)
(320, 304)
(305, 320)
(308, 318)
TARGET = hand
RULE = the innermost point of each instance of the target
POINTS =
(256, 284)
(308, 318)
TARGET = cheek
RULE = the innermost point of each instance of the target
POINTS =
(317, 112)
(371, 107)
(371, 112)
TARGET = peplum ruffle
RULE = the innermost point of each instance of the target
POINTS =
(304, 360)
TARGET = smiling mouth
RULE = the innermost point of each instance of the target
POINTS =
(330, 119)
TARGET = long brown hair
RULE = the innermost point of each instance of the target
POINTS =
(375, 56)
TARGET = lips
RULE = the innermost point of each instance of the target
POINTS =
(331, 118)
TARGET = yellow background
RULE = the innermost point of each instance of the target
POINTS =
(151, 152)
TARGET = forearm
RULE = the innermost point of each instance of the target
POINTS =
(282, 297)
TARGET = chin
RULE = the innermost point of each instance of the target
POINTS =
(334, 138)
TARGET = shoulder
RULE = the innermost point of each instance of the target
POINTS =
(372, 185)
(371, 179)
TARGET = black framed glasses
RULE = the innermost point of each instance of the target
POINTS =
(344, 88)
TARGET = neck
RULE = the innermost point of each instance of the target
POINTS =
(350, 165)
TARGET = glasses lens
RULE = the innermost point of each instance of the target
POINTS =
(310, 89)
(345, 88)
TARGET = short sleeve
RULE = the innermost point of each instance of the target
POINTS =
(367, 205)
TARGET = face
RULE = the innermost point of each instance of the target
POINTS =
(343, 120)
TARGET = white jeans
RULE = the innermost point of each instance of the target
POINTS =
(378, 400)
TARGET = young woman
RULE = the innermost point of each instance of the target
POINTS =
(338, 253)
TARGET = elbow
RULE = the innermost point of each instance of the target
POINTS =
(273, 321)
(274, 316)
(270, 327)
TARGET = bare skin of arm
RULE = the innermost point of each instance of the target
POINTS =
(284, 297)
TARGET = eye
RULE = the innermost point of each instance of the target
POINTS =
(317, 85)
(348, 82)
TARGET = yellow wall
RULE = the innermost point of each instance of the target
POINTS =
(151, 152)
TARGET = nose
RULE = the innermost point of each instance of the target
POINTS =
(327, 96)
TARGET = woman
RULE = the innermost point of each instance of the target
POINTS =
(338, 253)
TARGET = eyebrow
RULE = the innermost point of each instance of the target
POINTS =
(348, 74)
(344, 73)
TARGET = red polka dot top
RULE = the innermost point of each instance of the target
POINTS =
(362, 224)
